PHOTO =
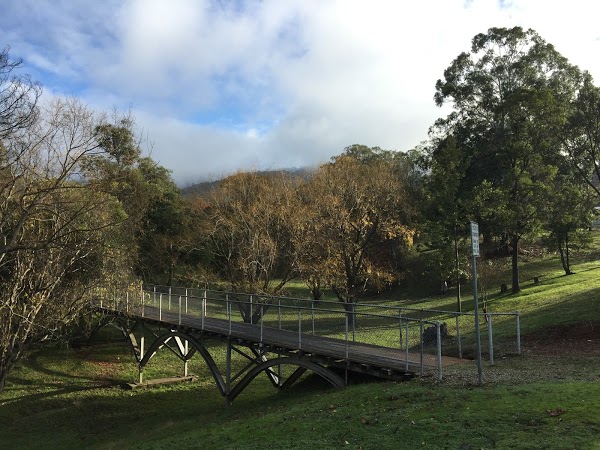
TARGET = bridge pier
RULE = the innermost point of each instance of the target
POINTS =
(229, 384)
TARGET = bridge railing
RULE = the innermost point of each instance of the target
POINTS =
(428, 333)
(500, 331)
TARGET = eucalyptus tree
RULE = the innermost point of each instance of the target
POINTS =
(356, 223)
(509, 94)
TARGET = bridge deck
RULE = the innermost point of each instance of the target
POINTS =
(359, 357)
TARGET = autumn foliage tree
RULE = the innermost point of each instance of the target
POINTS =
(355, 224)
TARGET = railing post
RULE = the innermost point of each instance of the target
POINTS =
(160, 306)
(169, 298)
(153, 295)
(422, 349)
(299, 328)
(186, 300)
(400, 326)
(312, 307)
(204, 307)
(127, 301)
(279, 312)
(490, 339)
(261, 322)
(180, 310)
(346, 339)
(228, 305)
(353, 323)
(458, 337)
(406, 337)
(439, 349)
(143, 303)
(251, 310)
(518, 333)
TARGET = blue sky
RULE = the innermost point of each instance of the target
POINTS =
(221, 86)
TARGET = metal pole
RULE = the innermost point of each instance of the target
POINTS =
(169, 298)
(400, 326)
(261, 322)
(477, 331)
(186, 300)
(490, 339)
(406, 337)
(439, 349)
(279, 312)
(160, 307)
(185, 363)
(127, 301)
(180, 310)
(353, 323)
(421, 331)
(228, 306)
(458, 337)
(299, 328)
(312, 307)
(228, 373)
(204, 298)
(346, 339)
(203, 310)
(518, 333)
(250, 310)
(140, 368)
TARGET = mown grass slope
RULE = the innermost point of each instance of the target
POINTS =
(546, 398)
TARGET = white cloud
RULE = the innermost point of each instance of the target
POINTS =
(221, 86)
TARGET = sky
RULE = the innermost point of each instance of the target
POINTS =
(218, 86)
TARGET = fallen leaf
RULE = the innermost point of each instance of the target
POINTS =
(556, 412)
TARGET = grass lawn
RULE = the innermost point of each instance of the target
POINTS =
(547, 398)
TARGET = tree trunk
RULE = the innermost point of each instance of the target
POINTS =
(515, 265)
(567, 253)
(562, 256)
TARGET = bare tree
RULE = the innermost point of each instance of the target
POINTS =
(18, 97)
(53, 227)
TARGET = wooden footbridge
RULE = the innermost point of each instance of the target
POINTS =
(267, 333)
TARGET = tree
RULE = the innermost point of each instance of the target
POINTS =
(355, 223)
(509, 95)
(248, 224)
(447, 203)
(581, 133)
(53, 228)
(18, 97)
(149, 197)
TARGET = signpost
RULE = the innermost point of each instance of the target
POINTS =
(475, 254)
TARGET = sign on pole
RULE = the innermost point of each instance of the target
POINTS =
(475, 238)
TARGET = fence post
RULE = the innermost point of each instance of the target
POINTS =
(353, 323)
(518, 333)
(180, 310)
(299, 328)
(400, 326)
(169, 298)
(228, 306)
(458, 337)
(262, 319)
(312, 307)
(490, 339)
(153, 295)
(346, 315)
(406, 337)
(279, 312)
(186, 300)
(421, 331)
(439, 349)
(159, 306)
(251, 310)
(203, 310)
(204, 298)
(127, 301)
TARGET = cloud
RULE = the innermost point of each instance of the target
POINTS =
(220, 86)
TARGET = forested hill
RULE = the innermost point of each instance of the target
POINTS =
(203, 187)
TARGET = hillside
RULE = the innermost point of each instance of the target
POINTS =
(545, 398)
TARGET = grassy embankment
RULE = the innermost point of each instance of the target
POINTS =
(546, 398)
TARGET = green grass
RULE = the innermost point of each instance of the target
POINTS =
(70, 398)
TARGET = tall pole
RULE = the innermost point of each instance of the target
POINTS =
(475, 253)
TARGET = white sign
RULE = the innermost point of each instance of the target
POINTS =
(475, 238)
